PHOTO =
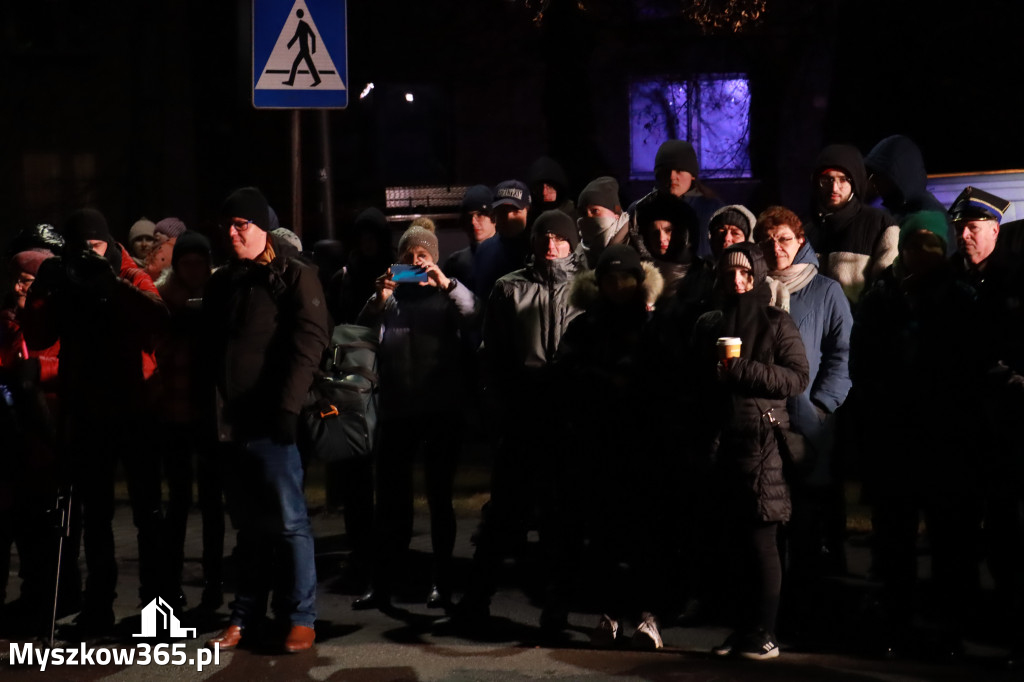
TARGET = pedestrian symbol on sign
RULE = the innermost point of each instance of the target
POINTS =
(311, 67)
(303, 34)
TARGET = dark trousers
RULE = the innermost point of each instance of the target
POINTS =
(210, 489)
(1004, 526)
(439, 436)
(952, 524)
(748, 572)
(93, 450)
(349, 484)
(529, 475)
(177, 448)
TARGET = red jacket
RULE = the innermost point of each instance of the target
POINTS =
(107, 337)
(140, 279)
(13, 348)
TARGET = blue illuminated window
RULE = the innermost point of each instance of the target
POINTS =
(712, 111)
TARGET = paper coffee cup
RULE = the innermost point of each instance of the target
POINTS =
(729, 347)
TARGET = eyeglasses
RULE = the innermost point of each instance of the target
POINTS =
(830, 180)
(781, 241)
(239, 225)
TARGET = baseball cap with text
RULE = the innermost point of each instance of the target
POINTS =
(511, 192)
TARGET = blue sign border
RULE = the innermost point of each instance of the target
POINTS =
(268, 18)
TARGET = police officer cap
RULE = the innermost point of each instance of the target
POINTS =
(977, 204)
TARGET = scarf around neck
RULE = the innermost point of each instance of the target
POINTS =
(796, 276)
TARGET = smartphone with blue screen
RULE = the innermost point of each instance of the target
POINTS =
(407, 274)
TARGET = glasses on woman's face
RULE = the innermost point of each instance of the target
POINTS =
(784, 242)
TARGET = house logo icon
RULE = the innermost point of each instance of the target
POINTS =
(157, 615)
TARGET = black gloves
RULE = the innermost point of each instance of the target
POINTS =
(283, 427)
(90, 273)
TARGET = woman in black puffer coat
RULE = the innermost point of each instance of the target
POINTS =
(753, 498)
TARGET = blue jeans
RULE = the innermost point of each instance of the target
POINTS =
(274, 547)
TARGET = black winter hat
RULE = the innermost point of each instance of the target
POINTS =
(734, 214)
(676, 155)
(190, 242)
(603, 191)
(248, 203)
(620, 258)
(477, 198)
(559, 223)
(84, 225)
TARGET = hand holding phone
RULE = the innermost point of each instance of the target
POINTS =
(406, 274)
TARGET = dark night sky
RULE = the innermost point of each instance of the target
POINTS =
(158, 92)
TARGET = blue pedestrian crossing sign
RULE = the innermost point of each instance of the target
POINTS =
(299, 54)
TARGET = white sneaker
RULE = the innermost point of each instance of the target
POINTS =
(647, 635)
(760, 646)
(606, 632)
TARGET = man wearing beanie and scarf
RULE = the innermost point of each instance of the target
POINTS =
(602, 221)
(421, 388)
(267, 327)
(107, 314)
(528, 311)
(676, 177)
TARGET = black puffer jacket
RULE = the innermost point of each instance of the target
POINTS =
(771, 368)
(267, 327)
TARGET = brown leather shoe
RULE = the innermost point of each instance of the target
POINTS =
(227, 639)
(300, 638)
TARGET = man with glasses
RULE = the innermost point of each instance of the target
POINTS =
(267, 327)
(855, 242)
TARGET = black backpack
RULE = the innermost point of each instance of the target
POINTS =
(339, 421)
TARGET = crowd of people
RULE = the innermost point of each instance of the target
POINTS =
(676, 393)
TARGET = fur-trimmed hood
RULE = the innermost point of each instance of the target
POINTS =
(584, 293)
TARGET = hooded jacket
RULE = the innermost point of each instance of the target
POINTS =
(601, 362)
(267, 327)
(822, 315)
(703, 206)
(856, 242)
(771, 368)
(900, 160)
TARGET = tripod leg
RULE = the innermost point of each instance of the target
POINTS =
(63, 511)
